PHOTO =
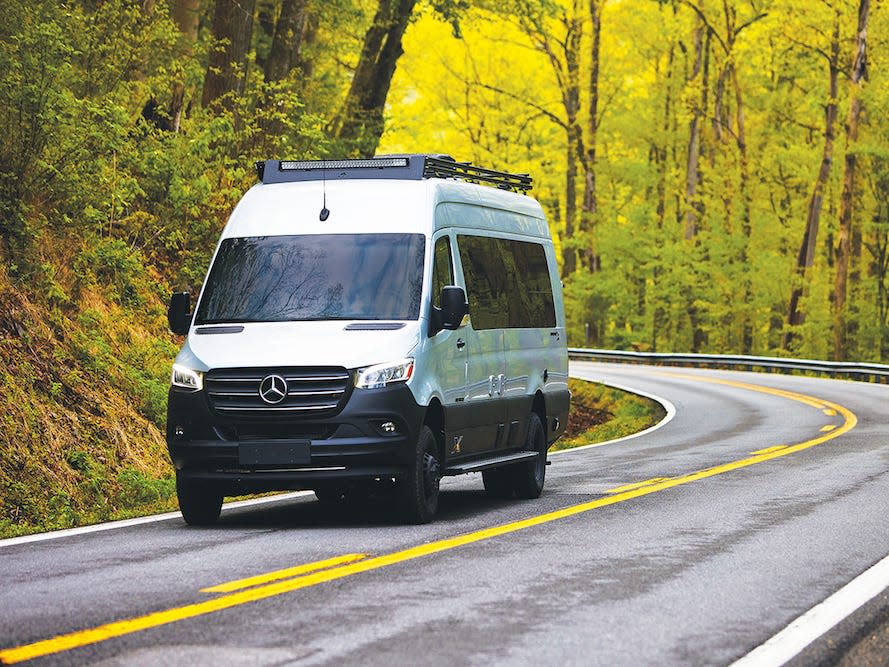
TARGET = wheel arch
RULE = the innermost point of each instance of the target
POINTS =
(538, 406)
(434, 419)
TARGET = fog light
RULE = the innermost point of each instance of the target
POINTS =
(388, 427)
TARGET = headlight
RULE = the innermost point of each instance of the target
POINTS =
(186, 378)
(374, 377)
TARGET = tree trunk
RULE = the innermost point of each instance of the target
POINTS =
(571, 101)
(806, 255)
(589, 255)
(747, 324)
(287, 41)
(879, 269)
(859, 74)
(186, 15)
(692, 171)
(662, 150)
(227, 66)
(359, 125)
(569, 254)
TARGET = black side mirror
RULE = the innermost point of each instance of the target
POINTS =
(453, 307)
(179, 313)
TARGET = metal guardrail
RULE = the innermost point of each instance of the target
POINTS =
(853, 370)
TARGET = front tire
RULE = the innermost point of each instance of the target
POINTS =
(416, 491)
(200, 506)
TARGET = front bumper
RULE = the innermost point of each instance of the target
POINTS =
(209, 447)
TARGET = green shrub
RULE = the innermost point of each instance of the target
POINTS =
(111, 264)
(136, 488)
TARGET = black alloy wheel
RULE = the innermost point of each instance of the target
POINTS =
(416, 490)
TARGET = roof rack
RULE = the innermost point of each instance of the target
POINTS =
(405, 167)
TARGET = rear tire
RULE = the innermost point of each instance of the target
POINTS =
(416, 491)
(529, 477)
(499, 483)
(200, 506)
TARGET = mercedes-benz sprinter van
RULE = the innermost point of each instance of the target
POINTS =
(394, 319)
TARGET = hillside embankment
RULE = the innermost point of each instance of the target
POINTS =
(84, 361)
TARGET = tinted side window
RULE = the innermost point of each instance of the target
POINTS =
(442, 269)
(486, 281)
(533, 303)
(507, 283)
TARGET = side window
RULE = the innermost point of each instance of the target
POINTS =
(487, 282)
(534, 305)
(442, 268)
(507, 283)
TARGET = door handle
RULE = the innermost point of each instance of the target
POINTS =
(554, 334)
(461, 343)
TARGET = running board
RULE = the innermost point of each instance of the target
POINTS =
(492, 462)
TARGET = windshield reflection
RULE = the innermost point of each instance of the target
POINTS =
(315, 277)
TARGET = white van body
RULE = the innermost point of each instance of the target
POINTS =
(473, 389)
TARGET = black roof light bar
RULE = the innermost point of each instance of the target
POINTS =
(404, 167)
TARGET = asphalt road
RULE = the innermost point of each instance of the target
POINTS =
(692, 544)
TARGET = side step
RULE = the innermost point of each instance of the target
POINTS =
(491, 462)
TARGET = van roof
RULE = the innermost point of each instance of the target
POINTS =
(402, 167)
(380, 206)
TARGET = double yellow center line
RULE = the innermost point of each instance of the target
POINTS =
(279, 582)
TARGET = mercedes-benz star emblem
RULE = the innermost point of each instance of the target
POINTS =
(273, 389)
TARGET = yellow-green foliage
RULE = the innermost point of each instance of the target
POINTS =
(624, 413)
(498, 95)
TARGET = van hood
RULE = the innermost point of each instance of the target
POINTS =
(329, 343)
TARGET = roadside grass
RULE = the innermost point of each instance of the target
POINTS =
(600, 413)
(98, 498)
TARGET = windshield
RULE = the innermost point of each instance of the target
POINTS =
(315, 277)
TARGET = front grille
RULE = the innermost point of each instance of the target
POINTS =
(311, 392)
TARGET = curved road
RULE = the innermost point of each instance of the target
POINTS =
(691, 544)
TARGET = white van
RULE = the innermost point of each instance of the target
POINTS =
(368, 321)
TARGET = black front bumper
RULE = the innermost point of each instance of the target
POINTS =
(221, 450)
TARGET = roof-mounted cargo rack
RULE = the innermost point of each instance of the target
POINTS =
(404, 167)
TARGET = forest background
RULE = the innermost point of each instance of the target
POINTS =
(715, 173)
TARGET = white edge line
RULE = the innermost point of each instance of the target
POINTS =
(819, 619)
(667, 405)
(126, 523)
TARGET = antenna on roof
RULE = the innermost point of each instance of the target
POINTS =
(324, 212)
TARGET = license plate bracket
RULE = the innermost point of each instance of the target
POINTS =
(281, 452)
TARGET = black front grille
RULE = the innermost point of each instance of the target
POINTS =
(311, 392)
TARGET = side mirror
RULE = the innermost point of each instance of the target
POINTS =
(453, 307)
(179, 313)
